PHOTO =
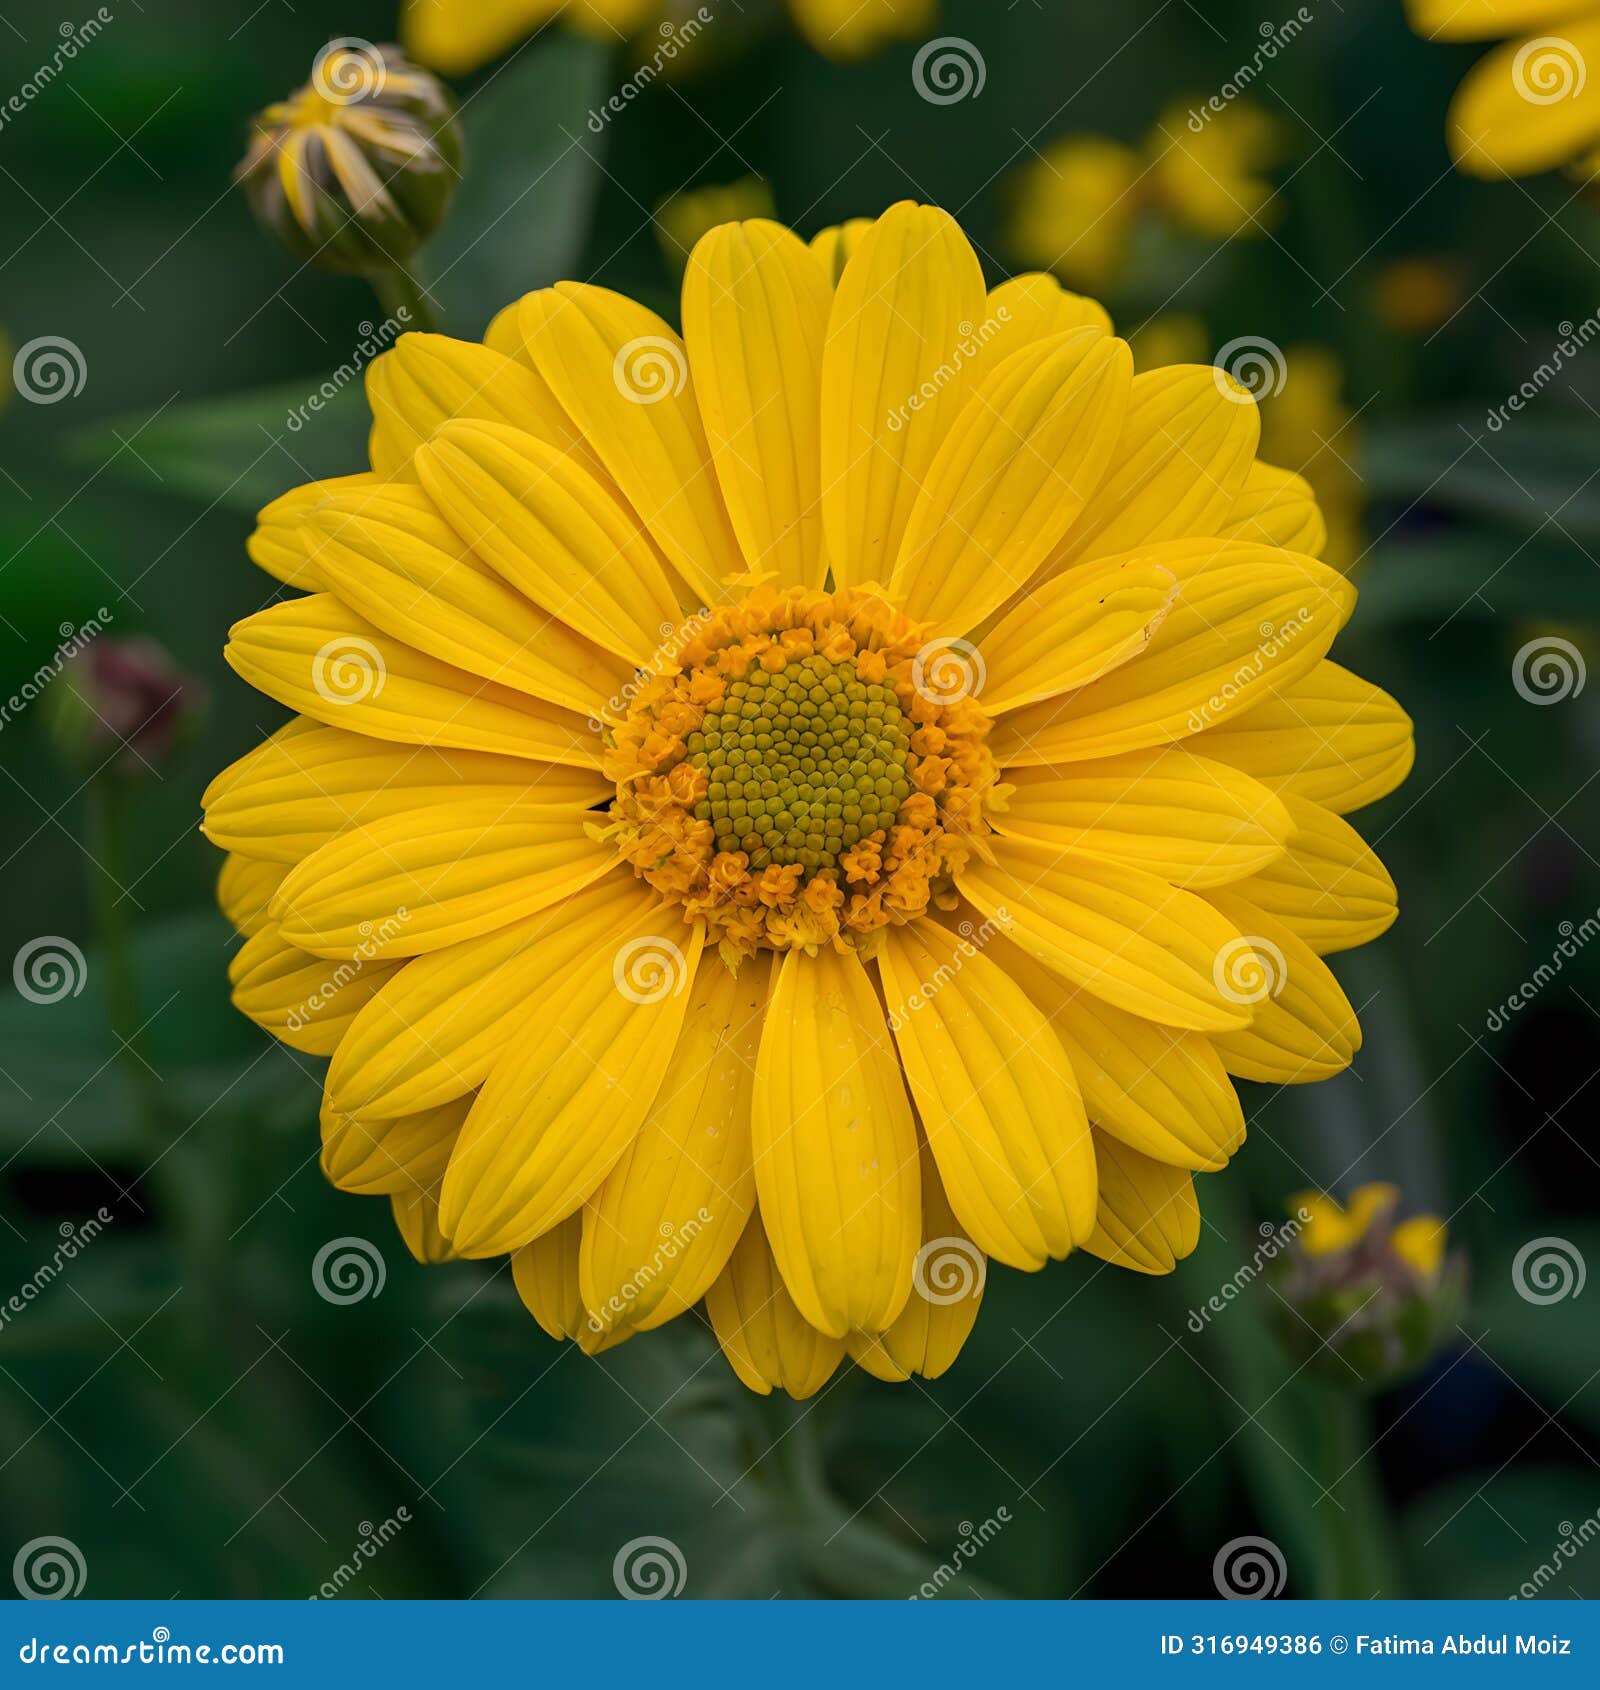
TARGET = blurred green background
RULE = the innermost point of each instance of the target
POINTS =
(181, 1405)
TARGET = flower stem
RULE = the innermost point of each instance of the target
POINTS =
(403, 298)
(1357, 1557)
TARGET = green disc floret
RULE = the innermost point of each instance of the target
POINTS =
(802, 763)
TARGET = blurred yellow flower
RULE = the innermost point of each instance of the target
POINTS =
(683, 219)
(1527, 106)
(1076, 205)
(1414, 295)
(1307, 427)
(1075, 209)
(457, 36)
(1210, 180)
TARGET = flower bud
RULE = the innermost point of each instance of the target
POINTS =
(354, 171)
(1363, 1299)
(122, 705)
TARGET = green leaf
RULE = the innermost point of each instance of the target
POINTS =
(522, 213)
(242, 451)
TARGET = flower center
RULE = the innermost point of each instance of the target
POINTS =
(802, 763)
(788, 776)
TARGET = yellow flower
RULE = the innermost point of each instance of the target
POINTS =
(1210, 178)
(1307, 427)
(683, 219)
(457, 36)
(1531, 104)
(1077, 204)
(1414, 295)
(783, 815)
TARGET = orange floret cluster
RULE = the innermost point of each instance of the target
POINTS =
(710, 752)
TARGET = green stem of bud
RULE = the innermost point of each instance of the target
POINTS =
(1357, 1535)
(403, 299)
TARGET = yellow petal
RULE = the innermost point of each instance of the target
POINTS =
(437, 1028)
(1162, 1092)
(755, 315)
(1302, 1027)
(1330, 738)
(307, 782)
(1188, 439)
(418, 882)
(403, 1153)
(894, 378)
(1485, 20)
(1249, 621)
(1529, 105)
(278, 545)
(393, 559)
(622, 374)
(835, 1147)
(1329, 887)
(1149, 1219)
(1277, 508)
(551, 530)
(1183, 818)
(764, 1336)
(1035, 307)
(836, 246)
(1140, 944)
(244, 892)
(564, 1101)
(1074, 629)
(304, 1000)
(546, 1277)
(1017, 465)
(318, 657)
(425, 380)
(662, 1226)
(1420, 1241)
(947, 1289)
(995, 1093)
(416, 1216)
